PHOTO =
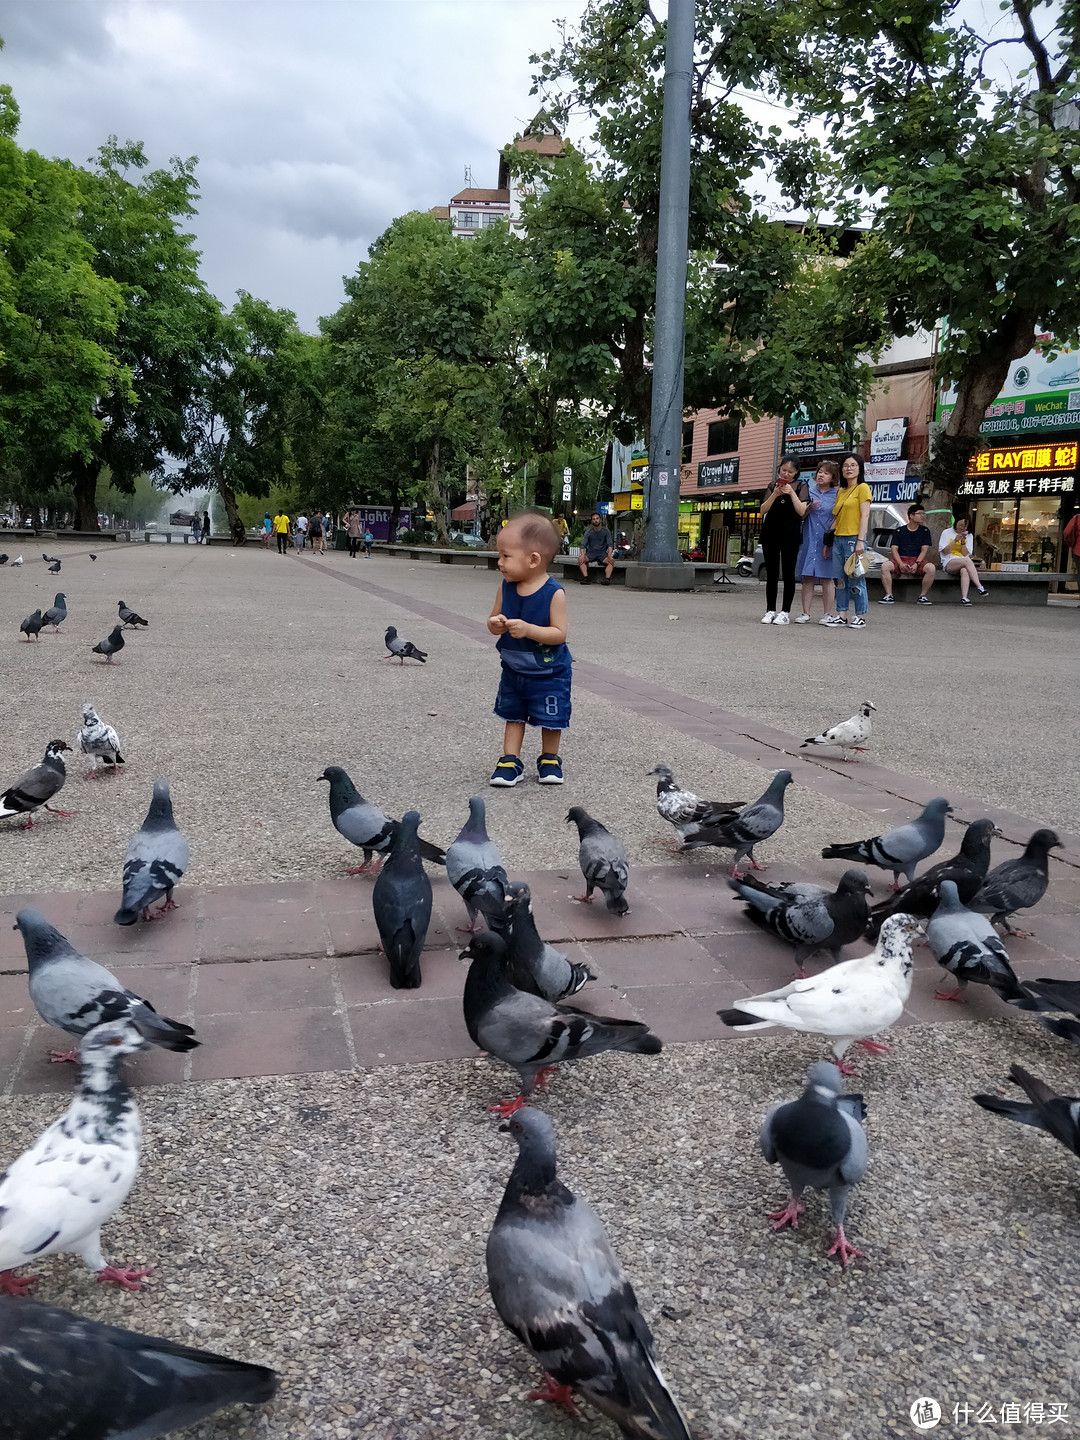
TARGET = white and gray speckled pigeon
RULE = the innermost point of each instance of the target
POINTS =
(57, 611)
(111, 645)
(401, 901)
(31, 626)
(36, 786)
(559, 1287)
(529, 1033)
(475, 869)
(603, 860)
(848, 1002)
(821, 1145)
(967, 871)
(532, 964)
(65, 1375)
(898, 850)
(17, 561)
(75, 993)
(130, 618)
(365, 825)
(57, 1195)
(751, 826)
(967, 945)
(684, 810)
(1058, 1115)
(853, 734)
(1018, 884)
(156, 859)
(810, 923)
(402, 649)
(99, 741)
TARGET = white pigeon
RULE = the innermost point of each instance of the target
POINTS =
(848, 1002)
(17, 562)
(99, 741)
(853, 734)
(57, 1195)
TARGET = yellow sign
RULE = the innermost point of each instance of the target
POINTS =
(1025, 459)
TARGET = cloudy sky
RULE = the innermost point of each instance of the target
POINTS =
(316, 121)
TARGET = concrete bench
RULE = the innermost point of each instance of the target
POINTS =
(704, 572)
(563, 567)
(1008, 587)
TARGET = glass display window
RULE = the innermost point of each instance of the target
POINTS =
(1037, 532)
(995, 530)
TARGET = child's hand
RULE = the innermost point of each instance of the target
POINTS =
(516, 628)
(496, 624)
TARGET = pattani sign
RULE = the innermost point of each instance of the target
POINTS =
(806, 437)
(1040, 394)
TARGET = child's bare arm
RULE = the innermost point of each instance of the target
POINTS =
(497, 620)
(553, 633)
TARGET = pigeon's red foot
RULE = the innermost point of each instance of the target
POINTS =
(957, 995)
(582, 899)
(167, 904)
(841, 1247)
(124, 1276)
(359, 869)
(505, 1108)
(845, 1067)
(555, 1394)
(92, 775)
(148, 914)
(545, 1074)
(788, 1216)
(18, 1285)
(801, 972)
(875, 1047)
(476, 926)
(755, 866)
(1018, 934)
(29, 823)
(62, 1057)
(895, 886)
(61, 814)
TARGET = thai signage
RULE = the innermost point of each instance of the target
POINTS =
(1039, 394)
(888, 439)
(718, 472)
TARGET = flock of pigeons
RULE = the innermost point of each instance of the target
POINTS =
(57, 613)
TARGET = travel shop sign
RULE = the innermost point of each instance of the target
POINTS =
(1039, 394)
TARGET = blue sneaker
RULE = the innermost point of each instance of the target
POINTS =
(549, 770)
(509, 771)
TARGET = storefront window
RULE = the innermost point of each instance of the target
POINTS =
(1037, 532)
(1024, 531)
(995, 528)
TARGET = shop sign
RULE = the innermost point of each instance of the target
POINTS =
(705, 505)
(1023, 459)
(805, 437)
(889, 482)
(888, 439)
(1014, 485)
(718, 472)
(1039, 394)
(605, 507)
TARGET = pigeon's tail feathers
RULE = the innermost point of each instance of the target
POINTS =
(616, 902)
(759, 901)
(160, 1030)
(1018, 1110)
(740, 1019)
(432, 853)
(1037, 1091)
(857, 850)
(580, 975)
(414, 654)
(853, 1104)
(646, 1407)
(125, 917)
(1014, 992)
(1064, 1027)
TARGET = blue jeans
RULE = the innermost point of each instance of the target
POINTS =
(848, 589)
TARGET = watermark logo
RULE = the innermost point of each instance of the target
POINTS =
(925, 1413)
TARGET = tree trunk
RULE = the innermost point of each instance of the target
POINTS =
(437, 498)
(395, 512)
(542, 488)
(84, 482)
(228, 499)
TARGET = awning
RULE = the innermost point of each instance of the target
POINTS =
(464, 512)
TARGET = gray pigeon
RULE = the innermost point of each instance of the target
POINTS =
(104, 1382)
(751, 826)
(365, 825)
(99, 741)
(130, 618)
(402, 904)
(475, 869)
(75, 994)
(820, 1142)
(36, 786)
(1058, 1115)
(558, 1286)
(31, 626)
(685, 811)
(402, 649)
(1018, 884)
(54, 568)
(810, 923)
(156, 859)
(529, 1033)
(967, 945)
(899, 850)
(57, 612)
(967, 871)
(603, 860)
(4, 559)
(532, 964)
(111, 645)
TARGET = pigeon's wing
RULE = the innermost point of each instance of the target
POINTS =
(680, 807)
(153, 865)
(366, 826)
(853, 1165)
(34, 787)
(75, 994)
(465, 857)
(603, 861)
(806, 922)
(519, 1028)
(1014, 885)
(766, 1138)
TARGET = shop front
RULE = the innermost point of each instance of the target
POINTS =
(722, 527)
(1019, 498)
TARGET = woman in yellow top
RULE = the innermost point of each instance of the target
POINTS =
(851, 515)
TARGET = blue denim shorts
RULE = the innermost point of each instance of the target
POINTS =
(542, 699)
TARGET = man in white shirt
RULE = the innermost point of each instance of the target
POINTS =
(301, 531)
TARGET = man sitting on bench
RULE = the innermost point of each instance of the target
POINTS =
(909, 548)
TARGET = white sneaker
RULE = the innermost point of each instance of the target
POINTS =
(802, 619)
(826, 620)
(768, 617)
(856, 623)
(835, 621)
(781, 618)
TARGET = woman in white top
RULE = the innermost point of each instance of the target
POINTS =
(956, 547)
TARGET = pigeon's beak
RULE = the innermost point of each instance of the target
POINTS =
(996, 834)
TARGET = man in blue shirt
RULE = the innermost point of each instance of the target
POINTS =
(908, 551)
(597, 548)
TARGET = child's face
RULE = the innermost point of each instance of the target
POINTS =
(516, 562)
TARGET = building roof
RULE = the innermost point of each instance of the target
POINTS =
(541, 144)
(441, 212)
(481, 197)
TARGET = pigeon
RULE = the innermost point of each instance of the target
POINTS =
(50, 559)
(1058, 995)
(16, 562)
(899, 850)
(603, 860)
(559, 1287)
(685, 811)
(967, 945)
(1018, 884)
(155, 860)
(4, 559)
(111, 645)
(104, 1382)
(820, 1142)
(1059, 1115)
(402, 649)
(402, 904)
(475, 869)
(31, 626)
(130, 618)
(531, 963)
(365, 825)
(752, 825)
(92, 555)
(848, 1002)
(37, 786)
(826, 922)
(57, 612)
(56, 1196)
(529, 1033)
(54, 568)
(850, 734)
(966, 870)
(75, 994)
(99, 741)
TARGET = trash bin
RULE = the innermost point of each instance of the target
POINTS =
(341, 539)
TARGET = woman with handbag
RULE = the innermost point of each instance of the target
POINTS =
(815, 557)
(851, 515)
(782, 513)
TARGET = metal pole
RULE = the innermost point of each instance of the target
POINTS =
(665, 440)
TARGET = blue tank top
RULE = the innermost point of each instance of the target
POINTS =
(526, 656)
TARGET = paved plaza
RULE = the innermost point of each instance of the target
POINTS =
(320, 1175)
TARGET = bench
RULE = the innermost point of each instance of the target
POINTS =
(704, 572)
(1008, 587)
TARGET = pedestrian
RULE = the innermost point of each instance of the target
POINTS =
(597, 548)
(281, 530)
(267, 531)
(529, 617)
(206, 528)
(782, 513)
(196, 527)
(908, 549)
(563, 530)
(327, 529)
(369, 540)
(354, 531)
(315, 533)
(1070, 537)
(956, 547)
(851, 515)
(814, 564)
(301, 531)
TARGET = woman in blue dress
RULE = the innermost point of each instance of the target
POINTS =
(815, 564)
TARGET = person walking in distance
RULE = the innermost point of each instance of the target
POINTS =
(301, 531)
(814, 564)
(597, 548)
(908, 553)
(315, 534)
(851, 515)
(782, 512)
(281, 530)
(196, 527)
(369, 540)
(206, 527)
(956, 547)
(267, 531)
(354, 530)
